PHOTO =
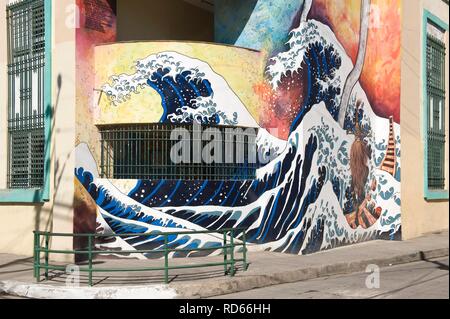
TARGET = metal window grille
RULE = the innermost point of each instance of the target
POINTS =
(142, 151)
(436, 108)
(26, 59)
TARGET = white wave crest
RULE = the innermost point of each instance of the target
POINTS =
(307, 33)
(205, 108)
(223, 100)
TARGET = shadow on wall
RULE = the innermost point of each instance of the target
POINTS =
(142, 20)
(58, 171)
(113, 5)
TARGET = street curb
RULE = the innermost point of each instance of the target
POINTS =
(239, 284)
(207, 289)
(42, 291)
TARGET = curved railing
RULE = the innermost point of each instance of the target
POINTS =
(228, 250)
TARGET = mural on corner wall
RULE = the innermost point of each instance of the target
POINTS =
(335, 176)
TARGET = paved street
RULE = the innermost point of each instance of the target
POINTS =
(425, 279)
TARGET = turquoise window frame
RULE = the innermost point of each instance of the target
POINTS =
(429, 194)
(40, 195)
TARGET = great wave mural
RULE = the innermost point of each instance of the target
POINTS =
(335, 170)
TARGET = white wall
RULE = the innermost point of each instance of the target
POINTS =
(418, 215)
(18, 221)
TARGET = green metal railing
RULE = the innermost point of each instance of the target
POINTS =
(228, 250)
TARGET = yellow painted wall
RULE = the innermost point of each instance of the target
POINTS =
(19, 221)
(242, 68)
(418, 215)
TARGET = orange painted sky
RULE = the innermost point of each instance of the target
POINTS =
(381, 74)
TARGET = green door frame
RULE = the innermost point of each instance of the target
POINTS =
(428, 193)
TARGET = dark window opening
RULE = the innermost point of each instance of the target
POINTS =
(178, 20)
(143, 151)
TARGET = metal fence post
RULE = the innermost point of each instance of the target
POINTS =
(38, 267)
(90, 258)
(225, 257)
(232, 270)
(36, 256)
(47, 240)
(166, 260)
(244, 252)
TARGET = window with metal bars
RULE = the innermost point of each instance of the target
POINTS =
(142, 151)
(26, 61)
(435, 61)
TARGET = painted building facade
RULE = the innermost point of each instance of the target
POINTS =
(334, 90)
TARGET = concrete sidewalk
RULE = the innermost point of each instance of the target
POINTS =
(266, 269)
